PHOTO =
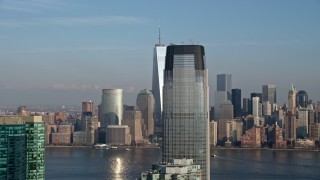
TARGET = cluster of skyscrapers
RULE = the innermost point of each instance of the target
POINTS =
(260, 121)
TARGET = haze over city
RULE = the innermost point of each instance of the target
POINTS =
(64, 52)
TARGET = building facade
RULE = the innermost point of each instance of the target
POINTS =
(118, 135)
(236, 102)
(12, 148)
(186, 106)
(145, 103)
(132, 117)
(35, 131)
(111, 107)
(88, 106)
(269, 93)
(159, 55)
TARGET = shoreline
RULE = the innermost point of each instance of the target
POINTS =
(90, 147)
(266, 149)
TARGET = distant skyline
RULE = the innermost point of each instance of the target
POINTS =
(65, 52)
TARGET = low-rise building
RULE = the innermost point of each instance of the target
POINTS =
(181, 169)
(118, 135)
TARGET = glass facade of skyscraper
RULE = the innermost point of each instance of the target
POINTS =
(186, 107)
(12, 152)
(35, 150)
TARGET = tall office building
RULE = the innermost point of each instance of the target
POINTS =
(226, 110)
(35, 131)
(145, 103)
(246, 104)
(292, 99)
(186, 106)
(236, 102)
(22, 148)
(269, 93)
(159, 55)
(12, 148)
(213, 133)
(255, 110)
(132, 117)
(88, 106)
(220, 97)
(302, 99)
(254, 95)
(224, 84)
(290, 126)
(111, 107)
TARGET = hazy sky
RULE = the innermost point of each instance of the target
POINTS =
(65, 52)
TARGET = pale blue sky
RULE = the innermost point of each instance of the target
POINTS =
(65, 52)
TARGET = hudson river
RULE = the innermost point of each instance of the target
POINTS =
(84, 163)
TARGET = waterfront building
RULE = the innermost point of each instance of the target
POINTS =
(132, 117)
(35, 132)
(213, 133)
(236, 130)
(236, 102)
(63, 135)
(302, 99)
(186, 106)
(50, 128)
(304, 144)
(88, 134)
(252, 138)
(269, 93)
(224, 129)
(22, 148)
(314, 132)
(182, 169)
(88, 106)
(145, 103)
(278, 140)
(12, 148)
(118, 135)
(159, 55)
(111, 107)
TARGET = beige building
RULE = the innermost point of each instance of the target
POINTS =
(132, 117)
(145, 103)
(118, 135)
(213, 133)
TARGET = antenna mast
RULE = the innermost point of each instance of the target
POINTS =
(159, 35)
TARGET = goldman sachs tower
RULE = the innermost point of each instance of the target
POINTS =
(159, 55)
(186, 106)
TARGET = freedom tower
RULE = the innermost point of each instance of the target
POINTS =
(186, 106)
(159, 56)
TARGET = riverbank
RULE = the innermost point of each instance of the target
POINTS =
(265, 149)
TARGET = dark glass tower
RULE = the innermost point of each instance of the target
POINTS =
(186, 106)
(302, 99)
(236, 102)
